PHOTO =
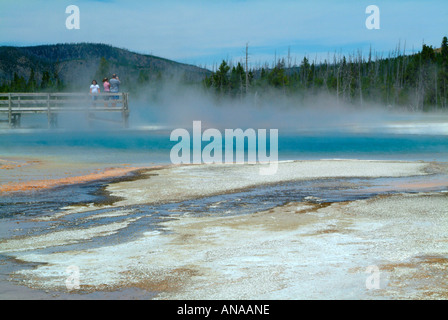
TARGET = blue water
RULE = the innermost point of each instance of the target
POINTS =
(145, 147)
(365, 146)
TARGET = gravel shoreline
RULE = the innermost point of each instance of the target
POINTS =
(189, 181)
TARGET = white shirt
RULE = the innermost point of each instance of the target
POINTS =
(94, 88)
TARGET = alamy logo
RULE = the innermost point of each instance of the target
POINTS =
(72, 281)
(73, 20)
(373, 20)
(373, 281)
(257, 147)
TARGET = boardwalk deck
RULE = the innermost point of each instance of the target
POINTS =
(14, 105)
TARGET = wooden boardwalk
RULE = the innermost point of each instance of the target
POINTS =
(14, 105)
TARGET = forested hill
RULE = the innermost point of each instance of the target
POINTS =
(74, 66)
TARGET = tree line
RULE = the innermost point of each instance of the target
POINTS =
(417, 81)
(49, 82)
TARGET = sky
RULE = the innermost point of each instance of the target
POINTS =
(205, 32)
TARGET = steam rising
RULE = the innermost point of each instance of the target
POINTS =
(177, 106)
(172, 104)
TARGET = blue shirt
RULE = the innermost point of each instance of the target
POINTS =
(114, 85)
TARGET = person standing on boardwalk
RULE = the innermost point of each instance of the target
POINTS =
(106, 86)
(94, 90)
(114, 87)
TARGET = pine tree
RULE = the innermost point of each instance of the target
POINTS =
(46, 82)
(237, 79)
(31, 85)
(444, 51)
(58, 84)
(221, 77)
(277, 77)
(18, 83)
(103, 70)
(443, 83)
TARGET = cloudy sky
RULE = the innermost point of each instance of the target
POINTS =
(204, 32)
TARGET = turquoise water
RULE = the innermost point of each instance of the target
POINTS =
(144, 147)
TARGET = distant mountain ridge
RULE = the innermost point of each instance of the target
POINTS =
(77, 64)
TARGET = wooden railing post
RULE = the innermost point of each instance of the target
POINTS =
(48, 111)
(9, 111)
(125, 112)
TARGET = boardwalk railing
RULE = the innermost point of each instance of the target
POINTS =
(14, 105)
